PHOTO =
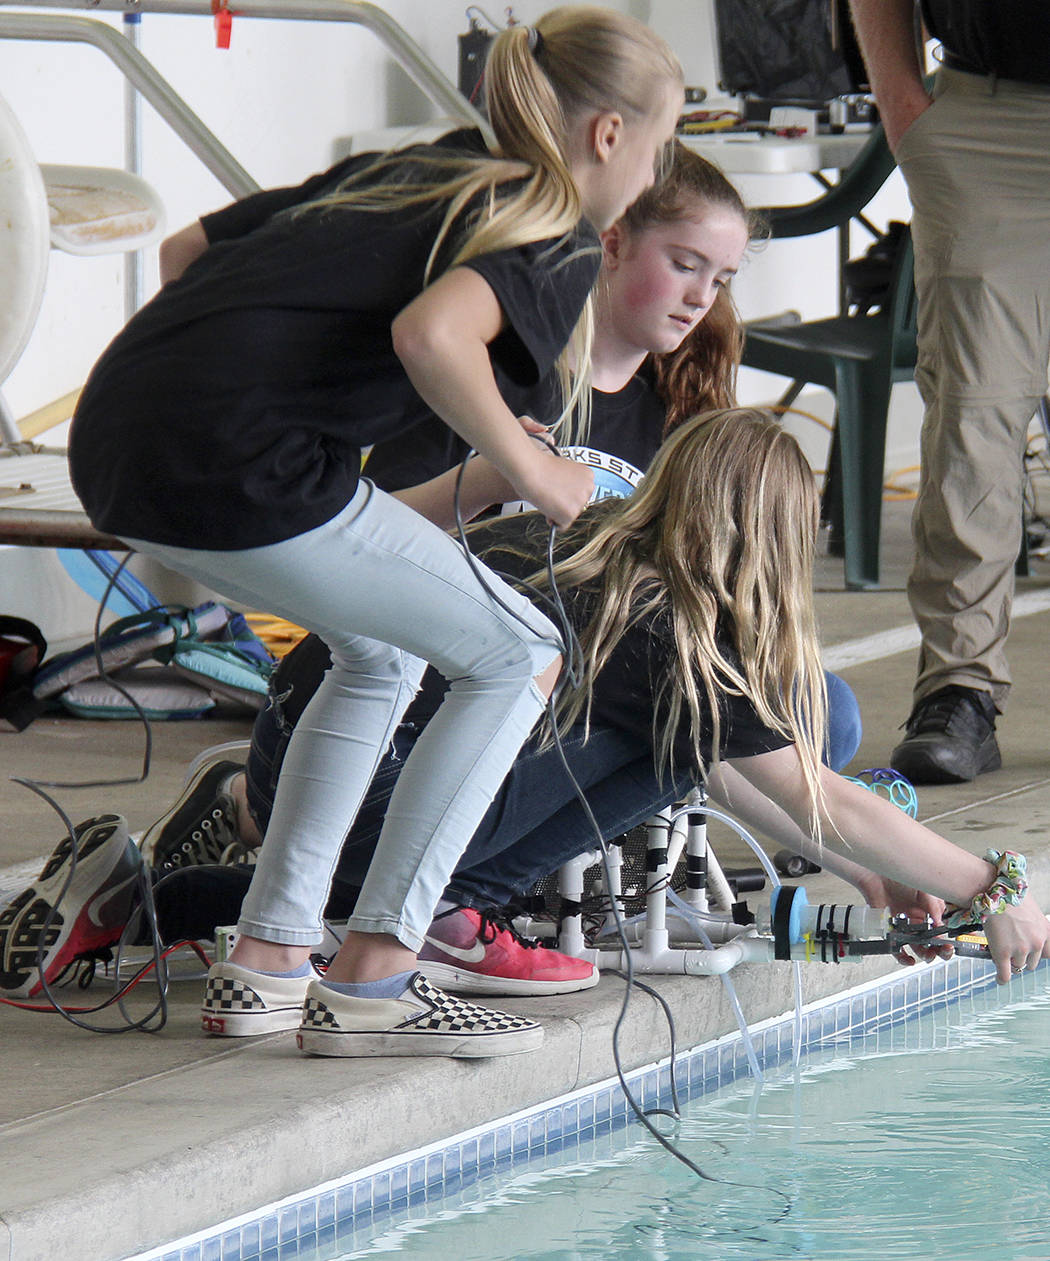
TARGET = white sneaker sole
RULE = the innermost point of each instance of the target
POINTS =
(240, 1003)
(455, 1045)
(461, 981)
(250, 1024)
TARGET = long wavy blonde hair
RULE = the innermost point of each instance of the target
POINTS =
(720, 537)
(587, 60)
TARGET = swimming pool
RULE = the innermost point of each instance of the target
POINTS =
(428, 1202)
(927, 1138)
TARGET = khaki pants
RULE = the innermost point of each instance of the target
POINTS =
(977, 165)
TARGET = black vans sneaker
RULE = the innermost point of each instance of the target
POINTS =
(201, 827)
(949, 738)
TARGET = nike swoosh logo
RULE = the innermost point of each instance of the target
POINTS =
(94, 907)
(474, 955)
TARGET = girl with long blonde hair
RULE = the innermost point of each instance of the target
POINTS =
(714, 547)
(692, 601)
(221, 432)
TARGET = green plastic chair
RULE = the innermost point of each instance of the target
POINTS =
(857, 357)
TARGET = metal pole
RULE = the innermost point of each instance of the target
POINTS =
(133, 270)
(141, 74)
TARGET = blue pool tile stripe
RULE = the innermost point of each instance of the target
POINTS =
(345, 1211)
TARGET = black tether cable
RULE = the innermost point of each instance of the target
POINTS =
(573, 675)
(157, 1017)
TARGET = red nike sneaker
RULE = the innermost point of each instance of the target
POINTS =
(50, 925)
(478, 952)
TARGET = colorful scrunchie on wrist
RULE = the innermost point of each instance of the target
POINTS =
(1007, 889)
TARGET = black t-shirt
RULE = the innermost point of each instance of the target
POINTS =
(231, 411)
(1008, 38)
(624, 436)
(625, 432)
(626, 688)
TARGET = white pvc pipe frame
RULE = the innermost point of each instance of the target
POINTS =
(656, 947)
(651, 949)
(141, 74)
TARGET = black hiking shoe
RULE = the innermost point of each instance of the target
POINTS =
(949, 738)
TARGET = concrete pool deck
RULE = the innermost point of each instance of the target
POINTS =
(114, 1145)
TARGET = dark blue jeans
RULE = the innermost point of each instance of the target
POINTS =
(535, 823)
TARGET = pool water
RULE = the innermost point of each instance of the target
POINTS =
(925, 1139)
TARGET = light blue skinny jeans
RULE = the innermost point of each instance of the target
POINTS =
(387, 591)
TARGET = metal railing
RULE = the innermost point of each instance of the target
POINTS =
(405, 51)
(142, 77)
(141, 74)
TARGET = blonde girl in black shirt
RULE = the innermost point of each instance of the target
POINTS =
(221, 432)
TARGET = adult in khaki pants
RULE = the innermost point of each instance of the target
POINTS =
(976, 159)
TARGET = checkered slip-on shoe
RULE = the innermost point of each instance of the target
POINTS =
(423, 1021)
(239, 1002)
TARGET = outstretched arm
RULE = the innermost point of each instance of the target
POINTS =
(870, 831)
(729, 788)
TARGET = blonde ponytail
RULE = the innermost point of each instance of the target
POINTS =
(585, 60)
